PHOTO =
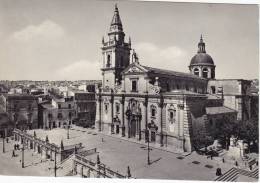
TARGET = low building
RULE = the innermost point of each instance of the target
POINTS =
(57, 113)
(22, 109)
(85, 105)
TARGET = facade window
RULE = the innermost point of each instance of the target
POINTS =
(108, 60)
(212, 73)
(59, 115)
(210, 122)
(70, 115)
(117, 108)
(69, 106)
(153, 111)
(106, 108)
(172, 114)
(49, 115)
(134, 86)
(213, 89)
(205, 73)
(196, 71)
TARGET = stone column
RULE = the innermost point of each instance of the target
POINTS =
(161, 119)
(123, 115)
(146, 115)
(112, 111)
(200, 71)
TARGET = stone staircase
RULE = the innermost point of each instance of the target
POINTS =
(65, 167)
(232, 174)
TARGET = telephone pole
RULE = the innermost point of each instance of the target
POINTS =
(23, 154)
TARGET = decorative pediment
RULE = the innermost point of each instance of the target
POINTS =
(134, 68)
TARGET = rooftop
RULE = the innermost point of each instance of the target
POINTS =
(219, 110)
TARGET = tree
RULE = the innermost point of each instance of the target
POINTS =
(248, 131)
(225, 128)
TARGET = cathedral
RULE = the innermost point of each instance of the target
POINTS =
(163, 106)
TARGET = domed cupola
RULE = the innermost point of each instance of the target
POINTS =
(202, 64)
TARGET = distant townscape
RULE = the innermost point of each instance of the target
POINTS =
(138, 122)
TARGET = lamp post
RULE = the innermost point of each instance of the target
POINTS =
(68, 131)
(4, 142)
(148, 149)
(23, 152)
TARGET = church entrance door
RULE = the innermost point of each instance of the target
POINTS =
(117, 129)
(133, 128)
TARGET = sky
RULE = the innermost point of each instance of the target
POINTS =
(61, 39)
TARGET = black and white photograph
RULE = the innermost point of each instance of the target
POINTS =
(142, 90)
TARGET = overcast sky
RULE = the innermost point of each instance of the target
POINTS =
(61, 39)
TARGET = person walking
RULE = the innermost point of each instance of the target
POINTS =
(13, 155)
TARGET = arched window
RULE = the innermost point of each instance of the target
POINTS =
(108, 61)
(117, 107)
(106, 108)
(205, 73)
(172, 114)
(196, 71)
(134, 86)
(212, 73)
(153, 111)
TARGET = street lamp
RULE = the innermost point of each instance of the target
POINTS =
(68, 133)
(150, 126)
(148, 149)
(4, 141)
(23, 152)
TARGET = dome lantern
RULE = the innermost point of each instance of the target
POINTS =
(202, 63)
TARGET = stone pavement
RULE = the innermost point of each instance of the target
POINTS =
(34, 165)
(117, 154)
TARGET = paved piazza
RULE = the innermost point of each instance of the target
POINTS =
(115, 153)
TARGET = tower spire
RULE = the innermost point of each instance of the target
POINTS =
(116, 24)
(201, 45)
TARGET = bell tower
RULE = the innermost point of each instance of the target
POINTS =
(115, 52)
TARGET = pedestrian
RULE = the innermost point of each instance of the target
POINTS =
(236, 163)
(14, 146)
(13, 155)
(223, 160)
(211, 157)
(7, 140)
(218, 172)
(250, 167)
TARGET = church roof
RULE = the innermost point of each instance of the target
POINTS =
(171, 73)
(219, 110)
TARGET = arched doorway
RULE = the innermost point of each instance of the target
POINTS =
(134, 116)
(133, 128)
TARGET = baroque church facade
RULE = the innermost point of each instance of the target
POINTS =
(162, 106)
